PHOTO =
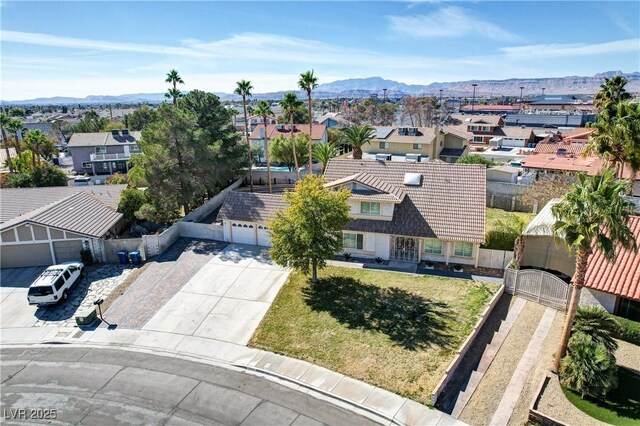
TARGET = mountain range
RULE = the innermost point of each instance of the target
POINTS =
(365, 87)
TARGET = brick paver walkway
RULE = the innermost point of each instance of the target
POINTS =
(161, 281)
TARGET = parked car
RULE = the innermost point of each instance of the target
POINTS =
(54, 284)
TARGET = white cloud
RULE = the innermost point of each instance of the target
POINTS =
(448, 22)
(558, 50)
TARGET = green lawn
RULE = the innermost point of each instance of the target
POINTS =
(499, 237)
(395, 331)
(622, 406)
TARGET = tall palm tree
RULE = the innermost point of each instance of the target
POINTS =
(16, 126)
(612, 91)
(173, 78)
(264, 110)
(4, 122)
(35, 141)
(243, 88)
(290, 104)
(593, 215)
(357, 136)
(308, 82)
(323, 152)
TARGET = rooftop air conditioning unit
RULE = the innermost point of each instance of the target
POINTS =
(412, 179)
(412, 158)
(383, 157)
(115, 132)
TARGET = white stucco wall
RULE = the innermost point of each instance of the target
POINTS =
(590, 297)
(373, 245)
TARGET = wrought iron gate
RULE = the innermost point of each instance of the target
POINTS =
(405, 249)
(538, 286)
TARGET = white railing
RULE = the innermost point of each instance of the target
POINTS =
(111, 157)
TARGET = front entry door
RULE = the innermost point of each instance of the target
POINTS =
(405, 249)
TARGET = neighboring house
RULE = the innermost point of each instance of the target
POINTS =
(45, 226)
(256, 120)
(489, 130)
(400, 211)
(103, 153)
(334, 119)
(612, 286)
(490, 109)
(318, 133)
(558, 103)
(407, 143)
(505, 174)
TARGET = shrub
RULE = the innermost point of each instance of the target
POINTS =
(475, 159)
(86, 256)
(117, 179)
(43, 175)
(131, 200)
(598, 324)
(346, 256)
(589, 368)
(629, 330)
(379, 260)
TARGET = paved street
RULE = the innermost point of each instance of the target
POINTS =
(16, 312)
(226, 299)
(116, 387)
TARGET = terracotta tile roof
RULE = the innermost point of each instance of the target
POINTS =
(251, 206)
(318, 131)
(449, 203)
(621, 277)
(553, 147)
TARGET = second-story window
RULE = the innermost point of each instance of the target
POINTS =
(101, 149)
(367, 207)
(417, 146)
(384, 145)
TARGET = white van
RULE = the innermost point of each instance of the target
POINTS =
(54, 284)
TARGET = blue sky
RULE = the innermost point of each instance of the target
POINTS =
(110, 48)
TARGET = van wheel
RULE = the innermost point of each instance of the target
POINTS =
(65, 295)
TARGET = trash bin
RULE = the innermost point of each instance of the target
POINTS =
(124, 257)
(135, 257)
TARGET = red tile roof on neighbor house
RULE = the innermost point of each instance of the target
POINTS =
(274, 130)
(621, 277)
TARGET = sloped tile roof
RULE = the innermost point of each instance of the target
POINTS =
(251, 206)
(385, 191)
(621, 277)
(103, 139)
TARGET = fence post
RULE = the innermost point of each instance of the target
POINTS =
(493, 196)
(513, 203)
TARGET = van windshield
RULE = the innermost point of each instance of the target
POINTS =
(40, 291)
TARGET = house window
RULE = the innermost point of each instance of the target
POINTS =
(474, 128)
(101, 149)
(463, 249)
(628, 308)
(352, 241)
(367, 207)
(384, 145)
(433, 245)
(417, 146)
(86, 165)
(485, 128)
(478, 139)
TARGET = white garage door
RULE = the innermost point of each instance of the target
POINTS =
(243, 233)
(264, 236)
(23, 255)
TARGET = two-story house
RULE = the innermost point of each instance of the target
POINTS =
(399, 211)
(103, 153)
(257, 136)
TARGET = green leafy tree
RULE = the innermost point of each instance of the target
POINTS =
(475, 159)
(307, 82)
(90, 123)
(593, 215)
(356, 136)
(116, 179)
(289, 104)
(173, 93)
(43, 175)
(4, 122)
(264, 110)
(612, 92)
(141, 118)
(282, 150)
(36, 142)
(589, 368)
(597, 323)
(309, 231)
(131, 201)
(323, 152)
(16, 112)
(243, 88)
(113, 125)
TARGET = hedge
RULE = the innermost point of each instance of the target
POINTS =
(629, 330)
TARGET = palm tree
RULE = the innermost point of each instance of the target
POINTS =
(173, 78)
(617, 136)
(264, 110)
(243, 88)
(597, 323)
(323, 152)
(612, 91)
(592, 215)
(357, 136)
(4, 122)
(15, 126)
(35, 141)
(308, 82)
(290, 104)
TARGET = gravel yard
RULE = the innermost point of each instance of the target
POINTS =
(487, 396)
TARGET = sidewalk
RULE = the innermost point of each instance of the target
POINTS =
(382, 406)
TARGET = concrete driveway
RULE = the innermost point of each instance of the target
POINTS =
(226, 299)
(14, 284)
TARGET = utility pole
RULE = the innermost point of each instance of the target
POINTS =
(385, 95)
(521, 87)
(473, 101)
(543, 91)
(440, 98)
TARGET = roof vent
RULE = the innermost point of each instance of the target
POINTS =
(412, 179)
(383, 157)
(412, 158)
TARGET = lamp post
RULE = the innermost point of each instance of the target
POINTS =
(440, 97)
(385, 95)
(473, 100)
(521, 87)
(543, 91)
